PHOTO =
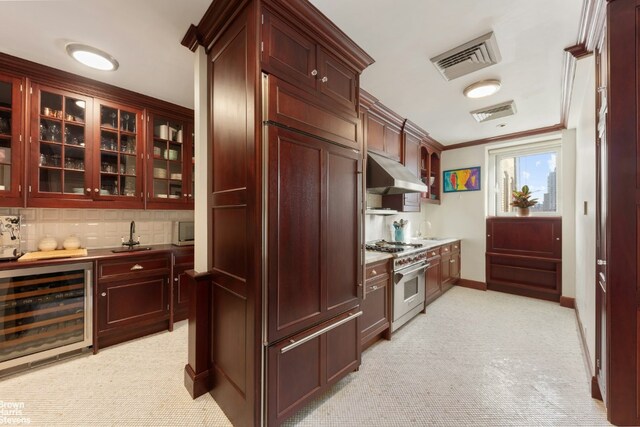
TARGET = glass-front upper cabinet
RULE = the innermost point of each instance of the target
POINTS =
(170, 161)
(10, 141)
(119, 153)
(60, 146)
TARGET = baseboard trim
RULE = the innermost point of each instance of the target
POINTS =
(568, 302)
(471, 284)
(196, 385)
(595, 388)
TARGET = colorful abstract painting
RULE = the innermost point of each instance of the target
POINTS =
(461, 180)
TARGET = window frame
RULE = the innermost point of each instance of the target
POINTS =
(495, 154)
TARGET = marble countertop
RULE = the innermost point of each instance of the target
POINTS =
(373, 256)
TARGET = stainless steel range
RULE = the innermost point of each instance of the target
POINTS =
(409, 264)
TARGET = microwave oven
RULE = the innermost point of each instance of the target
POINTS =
(182, 233)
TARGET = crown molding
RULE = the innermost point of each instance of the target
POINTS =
(515, 135)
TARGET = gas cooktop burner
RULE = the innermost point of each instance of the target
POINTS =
(383, 248)
(391, 247)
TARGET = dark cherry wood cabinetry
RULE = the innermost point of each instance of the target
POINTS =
(313, 231)
(301, 368)
(82, 143)
(450, 265)
(433, 276)
(170, 161)
(524, 256)
(62, 153)
(412, 137)
(183, 260)
(11, 140)
(376, 312)
(119, 156)
(430, 153)
(132, 297)
(297, 58)
(286, 168)
(383, 129)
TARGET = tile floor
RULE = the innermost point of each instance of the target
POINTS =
(474, 359)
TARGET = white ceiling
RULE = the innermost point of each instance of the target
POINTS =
(402, 35)
(144, 35)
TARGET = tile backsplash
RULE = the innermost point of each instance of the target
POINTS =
(379, 226)
(96, 228)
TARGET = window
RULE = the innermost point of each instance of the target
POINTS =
(534, 165)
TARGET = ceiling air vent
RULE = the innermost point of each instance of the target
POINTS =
(469, 57)
(494, 112)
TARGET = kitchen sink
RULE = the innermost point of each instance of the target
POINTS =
(142, 248)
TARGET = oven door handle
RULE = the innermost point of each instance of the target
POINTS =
(399, 275)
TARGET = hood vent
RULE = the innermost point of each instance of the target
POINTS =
(494, 112)
(385, 176)
(469, 57)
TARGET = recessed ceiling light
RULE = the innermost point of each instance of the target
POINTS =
(92, 57)
(482, 89)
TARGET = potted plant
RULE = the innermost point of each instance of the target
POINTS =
(522, 200)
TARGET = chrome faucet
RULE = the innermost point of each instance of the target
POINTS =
(131, 243)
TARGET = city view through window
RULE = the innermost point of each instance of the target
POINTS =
(538, 171)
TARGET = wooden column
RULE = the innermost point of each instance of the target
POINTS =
(197, 373)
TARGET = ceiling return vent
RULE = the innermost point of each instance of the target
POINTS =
(494, 112)
(469, 57)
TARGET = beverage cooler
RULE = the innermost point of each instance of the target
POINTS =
(44, 312)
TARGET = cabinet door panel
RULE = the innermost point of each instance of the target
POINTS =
(129, 302)
(11, 148)
(343, 267)
(314, 231)
(295, 213)
(375, 311)
(336, 81)
(432, 282)
(301, 110)
(393, 142)
(287, 52)
(343, 350)
(375, 133)
(445, 271)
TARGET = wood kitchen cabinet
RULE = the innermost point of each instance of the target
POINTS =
(62, 150)
(376, 313)
(383, 129)
(313, 228)
(183, 260)
(524, 256)
(412, 137)
(298, 59)
(433, 276)
(11, 141)
(170, 160)
(294, 135)
(430, 171)
(450, 260)
(302, 367)
(71, 142)
(131, 297)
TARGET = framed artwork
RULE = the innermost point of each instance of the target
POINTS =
(467, 179)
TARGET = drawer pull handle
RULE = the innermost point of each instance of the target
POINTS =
(314, 73)
(104, 294)
(455, 247)
(175, 279)
(374, 287)
(452, 261)
(433, 253)
(446, 249)
(295, 343)
(374, 272)
(137, 267)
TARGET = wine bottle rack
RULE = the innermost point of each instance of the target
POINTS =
(44, 311)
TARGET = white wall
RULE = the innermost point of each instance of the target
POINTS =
(463, 214)
(583, 118)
